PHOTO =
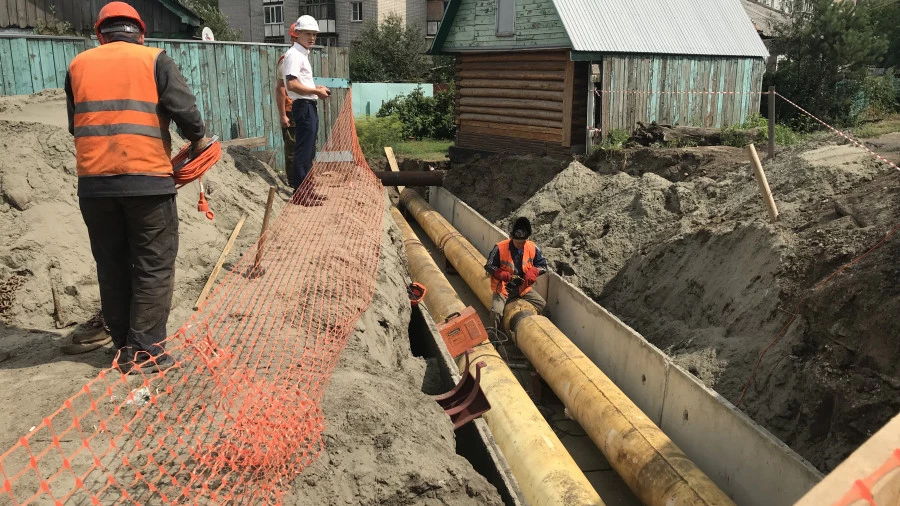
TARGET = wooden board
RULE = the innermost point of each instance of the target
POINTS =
(548, 66)
(542, 105)
(537, 133)
(392, 162)
(506, 56)
(513, 112)
(511, 94)
(568, 93)
(516, 84)
(509, 120)
(249, 142)
(527, 75)
(502, 144)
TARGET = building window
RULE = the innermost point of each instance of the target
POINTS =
(274, 21)
(506, 17)
(323, 11)
(327, 40)
(357, 11)
(434, 13)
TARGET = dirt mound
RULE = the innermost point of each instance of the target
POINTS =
(499, 184)
(41, 225)
(691, 261)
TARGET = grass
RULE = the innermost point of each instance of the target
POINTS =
(888, 125)
(426, 150)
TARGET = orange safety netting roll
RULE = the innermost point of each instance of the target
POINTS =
(238, 417)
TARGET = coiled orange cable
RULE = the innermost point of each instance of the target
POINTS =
(189, 169)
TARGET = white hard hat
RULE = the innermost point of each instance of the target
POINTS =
(306, 22)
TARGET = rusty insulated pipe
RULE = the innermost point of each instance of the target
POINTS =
(655, 469)
(546, 472)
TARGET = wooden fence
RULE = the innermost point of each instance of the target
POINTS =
(234, 82)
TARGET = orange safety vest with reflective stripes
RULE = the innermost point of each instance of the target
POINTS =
(117, 127)
(288, 101)
(508, 265)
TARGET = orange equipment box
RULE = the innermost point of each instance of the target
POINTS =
(462, 331)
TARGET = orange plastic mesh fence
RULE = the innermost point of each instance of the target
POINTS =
(238, 416)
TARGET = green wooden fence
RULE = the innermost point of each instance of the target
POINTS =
(234, 82)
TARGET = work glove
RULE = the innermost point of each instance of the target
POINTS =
(198, 146)
(531, 276)
(501, 275)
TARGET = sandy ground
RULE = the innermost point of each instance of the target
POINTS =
(385, 442)
(677, 244)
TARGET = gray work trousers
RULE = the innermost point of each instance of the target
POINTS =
(498, 302)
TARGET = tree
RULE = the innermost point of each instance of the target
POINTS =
(389, 52)
(828, 48)
(208, 10)
(888, 24)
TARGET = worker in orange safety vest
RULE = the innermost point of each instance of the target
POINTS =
(514, 266)
(121, 97)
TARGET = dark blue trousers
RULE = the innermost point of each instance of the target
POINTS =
(306, 119)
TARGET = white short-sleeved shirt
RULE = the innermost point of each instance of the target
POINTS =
(296, 63)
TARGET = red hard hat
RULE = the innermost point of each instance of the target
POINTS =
(118, 10)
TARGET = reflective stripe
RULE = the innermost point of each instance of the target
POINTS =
(154, 174)
(115, 105)
(119, 129)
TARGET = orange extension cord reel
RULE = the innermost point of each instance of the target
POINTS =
(189, 169)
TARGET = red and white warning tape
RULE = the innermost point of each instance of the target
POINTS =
(842, 134)
(600, 92)
(853, 141)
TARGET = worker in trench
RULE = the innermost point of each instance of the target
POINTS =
(285, 104)
(514, 266)
(302, 90)
(121, 97)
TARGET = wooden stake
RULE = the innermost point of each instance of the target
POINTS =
(58, 314)
(771, 122)
(389, 152)
(218, 267)
(265, 225)
(762, 182)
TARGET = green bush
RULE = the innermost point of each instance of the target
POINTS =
(616, 138)
(375, 133)
(423, 117)
(739, 136)
(784, 136)
(880, 96)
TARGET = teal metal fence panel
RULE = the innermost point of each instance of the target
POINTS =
(234, 82)
(368, 97)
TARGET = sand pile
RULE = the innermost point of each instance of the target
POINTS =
(693, 264)
(41, 226)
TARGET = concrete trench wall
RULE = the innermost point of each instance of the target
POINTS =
(751, 465)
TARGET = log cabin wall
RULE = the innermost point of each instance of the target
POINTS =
(524, 101)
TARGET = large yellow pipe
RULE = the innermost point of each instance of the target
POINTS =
(544, 469)
(655, 469)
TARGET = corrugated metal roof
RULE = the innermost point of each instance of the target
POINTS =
(686, 27)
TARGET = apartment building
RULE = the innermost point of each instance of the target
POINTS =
(340, 21)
